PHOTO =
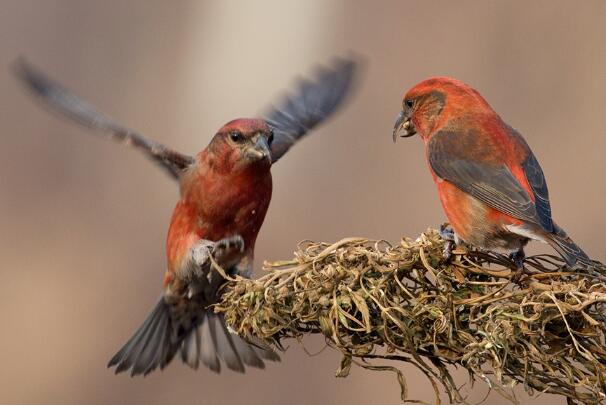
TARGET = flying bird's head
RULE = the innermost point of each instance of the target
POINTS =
(431, 103)
(241, 144)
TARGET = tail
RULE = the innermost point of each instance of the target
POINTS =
(570, 252)
(205, 339)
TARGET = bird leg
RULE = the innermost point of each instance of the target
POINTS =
(200, 255)
(518, 259)
(223, 251)
(198, 265)
(449, 241)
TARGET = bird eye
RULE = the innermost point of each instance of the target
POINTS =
(236, 136)
(409, 103)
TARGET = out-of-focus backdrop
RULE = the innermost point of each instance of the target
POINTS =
(83, 220)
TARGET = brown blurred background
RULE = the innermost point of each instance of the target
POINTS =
(83, 221)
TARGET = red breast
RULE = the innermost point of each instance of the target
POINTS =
(216, 205)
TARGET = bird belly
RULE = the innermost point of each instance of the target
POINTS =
(478, 224)
(214, 210)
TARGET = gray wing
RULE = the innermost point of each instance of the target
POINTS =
(61, 101)
(313, 101)
(490, 182)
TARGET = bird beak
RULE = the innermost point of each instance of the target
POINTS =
(260, 150)
(403, 126)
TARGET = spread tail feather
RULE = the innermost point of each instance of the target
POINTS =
(150, 345)
(570, 252)
(158, 340)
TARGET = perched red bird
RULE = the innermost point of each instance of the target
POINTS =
(225, 193)
(489, 182)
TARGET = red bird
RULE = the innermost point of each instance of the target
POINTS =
(225, 193)
(489, 182)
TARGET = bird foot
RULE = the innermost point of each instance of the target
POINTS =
(198, 266)
(201, 252)
(518, 259)
(222, 250)
(447, 233)
(229, 245)
(449, 241)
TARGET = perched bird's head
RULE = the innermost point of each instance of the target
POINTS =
(431, 103)
(240, 144)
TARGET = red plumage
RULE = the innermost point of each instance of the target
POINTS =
(223, 194)
(225, 191)
(491, 185)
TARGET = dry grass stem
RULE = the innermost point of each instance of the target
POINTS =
(382, 306)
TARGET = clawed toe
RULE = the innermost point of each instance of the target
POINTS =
(517, 275)
(228, 244)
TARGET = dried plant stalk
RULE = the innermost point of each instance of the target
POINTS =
(373, 301)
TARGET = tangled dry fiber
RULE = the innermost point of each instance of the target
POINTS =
(375, 302)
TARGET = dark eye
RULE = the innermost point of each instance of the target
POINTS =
(409, 103)
(270, 138)
(236, 136)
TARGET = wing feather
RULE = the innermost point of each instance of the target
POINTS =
(312, 102)
(491, 181)
(63, 102)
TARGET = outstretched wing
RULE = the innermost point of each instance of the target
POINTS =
(312, 102)
(489, 181)
(59, 100)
